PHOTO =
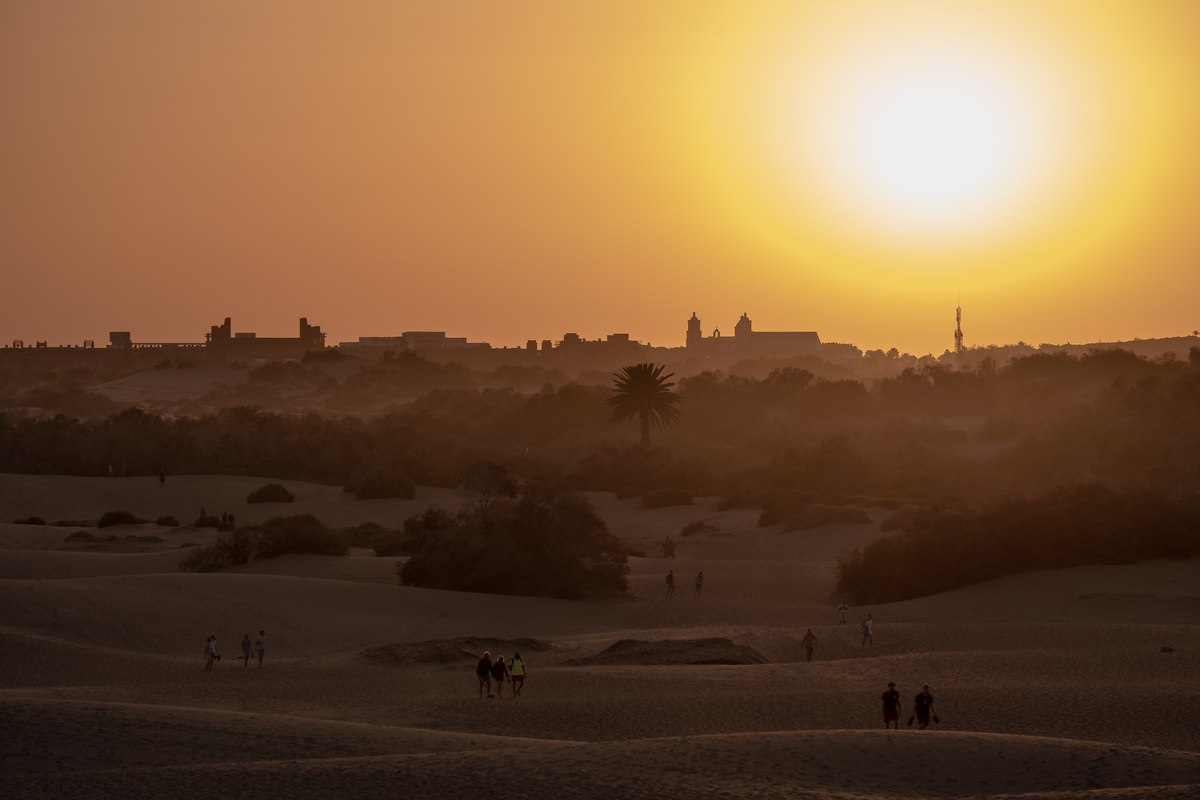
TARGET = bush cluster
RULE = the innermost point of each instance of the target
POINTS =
(271, 493)
(279, 536)
(546, 542)
(109, 518)
(1086, 524)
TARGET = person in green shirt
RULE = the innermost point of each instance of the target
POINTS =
(516, 671)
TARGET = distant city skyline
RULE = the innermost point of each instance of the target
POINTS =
(507, 172)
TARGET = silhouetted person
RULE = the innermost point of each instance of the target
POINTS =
(868, 629)
(517, 671)
(483, 671)
(246, 645)
(500, 675)
(260, 644)
(210, 652)
(843, 611)
(670, 583)
(809, 641)
(923, 708)
(891, 708)
(162, 478)
(699, 582)
(668, 547)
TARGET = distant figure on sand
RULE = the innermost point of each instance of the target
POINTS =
(923, 708)
(210, 651)
(260, 644)
(500, 675)
(868, 629)
(483, 671)
(699, 582)
(891, 708)
(517, 671)
(668, 547)
(843, 611)
(162, 478)
(670, 583)
(809, 641)
(246, 651)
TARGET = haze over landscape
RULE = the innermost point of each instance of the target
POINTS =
(718, 366)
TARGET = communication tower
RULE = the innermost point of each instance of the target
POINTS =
(958, 334)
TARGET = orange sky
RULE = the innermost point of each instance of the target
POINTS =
(516, 170)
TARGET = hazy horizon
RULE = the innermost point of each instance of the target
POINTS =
(857, 170)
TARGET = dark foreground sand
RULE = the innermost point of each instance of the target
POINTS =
(1050, 685)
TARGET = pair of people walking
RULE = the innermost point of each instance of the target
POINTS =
(698, 582)
(922, 711)
(498, 672)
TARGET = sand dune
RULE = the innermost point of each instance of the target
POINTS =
(1049, 685)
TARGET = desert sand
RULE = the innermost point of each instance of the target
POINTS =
(1081, 683)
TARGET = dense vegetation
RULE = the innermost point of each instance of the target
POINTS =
(279, 536)
(544, 542)
(801, 446)
(944, 548)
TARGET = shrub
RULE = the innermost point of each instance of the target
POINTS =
(167, 522)
(729, 502)
(303, 533)
(207, 521)
(30, 521)
(626, 492)
(389, 544)
(662, 498)
(548, 542)
(699, 526)
(80, 536)
(383, 483)
(818, 515)
(361, 535)
(785, 506)
(271, 493)
(109, 518)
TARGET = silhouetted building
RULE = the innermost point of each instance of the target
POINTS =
(747, 341)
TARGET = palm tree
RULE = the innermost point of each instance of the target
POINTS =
(643, 391)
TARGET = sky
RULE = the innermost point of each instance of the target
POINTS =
(513, 171)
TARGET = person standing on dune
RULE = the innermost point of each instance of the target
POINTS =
(699, 582)
(809, 641)
(517, 671)
(483, 671)
(891, 708)
(500, 675)
(260, 644)
(868, 629)
(670, 583)
(246, 650)
(923, 708)
(842, 611)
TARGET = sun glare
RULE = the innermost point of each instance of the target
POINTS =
(933, 143)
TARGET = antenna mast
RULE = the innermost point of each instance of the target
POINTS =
(958, 334)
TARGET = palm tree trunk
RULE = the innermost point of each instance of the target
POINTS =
(645, 429)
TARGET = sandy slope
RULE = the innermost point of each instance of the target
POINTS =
(1048, 685)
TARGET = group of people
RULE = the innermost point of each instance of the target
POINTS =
(698, 581)
(500, 672)
(259, 646)
(922, 710)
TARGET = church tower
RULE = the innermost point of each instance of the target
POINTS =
(744, 328)
(693, 333)
(958, 334)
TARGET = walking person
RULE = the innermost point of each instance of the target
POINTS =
(260, 644)
(210, 652)
(809, 641)
(246, 645)
(500, 675)
(670, 583)
(483, 671)
(699, 582)
(517, 670)
(843, 611)
(891, 708)
(923, 708)
(868, 629)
